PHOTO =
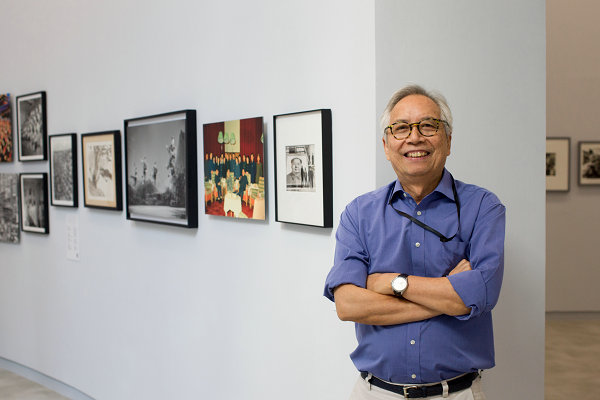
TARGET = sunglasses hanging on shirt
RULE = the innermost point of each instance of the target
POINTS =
(427, 227)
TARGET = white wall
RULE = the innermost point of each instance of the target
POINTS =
(234, 308)
(488, 58)
(573, 267)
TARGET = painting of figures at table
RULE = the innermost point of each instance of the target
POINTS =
(300, 176)
(589, 163)
(234, 174)
(6, 142)
(34, 203)
(9, 208)
(101, 159)
(158, 180)
(31, 126)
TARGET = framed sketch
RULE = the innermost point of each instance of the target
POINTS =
(557, 164)
(34, 203)
(6, 142)
(9, 208)
(303, 168)
(234, 173)
(589, 163)
(101, 163)
(161, 169)
(31, 126)
(63, 170)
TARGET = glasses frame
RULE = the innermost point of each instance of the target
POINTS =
(418, 125)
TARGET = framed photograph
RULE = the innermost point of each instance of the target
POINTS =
(234, 172)
(558, 152)
(101, 162)
(63, 170)
(161, 169)
(303, 168)
(589, 163)
(31, 126)
(9, 208)
(34, 203)
(6, 141)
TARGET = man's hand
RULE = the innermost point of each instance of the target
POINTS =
(462, 266)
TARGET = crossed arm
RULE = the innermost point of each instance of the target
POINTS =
(423, 299)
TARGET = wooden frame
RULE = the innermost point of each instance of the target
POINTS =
(558, 161)
(102, 175)
(164, 189)
(63, 170)
(589, 163)
(32, 127)
(34, 202)
(303, 168)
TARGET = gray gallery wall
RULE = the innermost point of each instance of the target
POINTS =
(159, 312)
(573, 266)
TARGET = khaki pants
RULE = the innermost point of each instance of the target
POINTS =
(362, 391)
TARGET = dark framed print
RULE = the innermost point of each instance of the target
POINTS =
(31, 126)
(9, 208)
(558, 150)
(161, 169)
(6, 140)
(34, 203)
(234, 173)
(101, 163)
(63, 170)
(303, 168)
(589, 163)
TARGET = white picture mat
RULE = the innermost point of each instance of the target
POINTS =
(296, 130)
(59, 143)
(560, 181)
(585, 147)
(24, 208)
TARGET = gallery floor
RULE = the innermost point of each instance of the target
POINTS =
(572, 363)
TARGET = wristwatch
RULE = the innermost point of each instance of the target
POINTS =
(399, 284)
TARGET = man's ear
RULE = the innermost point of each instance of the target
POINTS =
(385, 149)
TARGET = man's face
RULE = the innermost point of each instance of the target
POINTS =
(417, 159)
(296, 166)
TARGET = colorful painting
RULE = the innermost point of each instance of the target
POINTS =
(6, 142)
(234, 173)
(9, 208)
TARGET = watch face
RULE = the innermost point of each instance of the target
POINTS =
(399, 284)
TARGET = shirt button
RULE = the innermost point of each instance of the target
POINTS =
(413, 376)
(412, 342)
(419, 213)
(417, 244)
(404, 194)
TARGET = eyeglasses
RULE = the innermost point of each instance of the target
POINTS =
(427, 127)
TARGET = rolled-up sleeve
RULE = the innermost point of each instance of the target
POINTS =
(479, 288)
(351, 257)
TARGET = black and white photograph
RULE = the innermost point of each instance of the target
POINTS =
(63, 170)
(300, 176)
(34, 203)
(589, 163)
(161, 169)
(9, 208)
(101, 163)
(303, 168)
(557, 164)
(31, 126)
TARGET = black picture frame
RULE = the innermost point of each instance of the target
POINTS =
(63, 170)
(9, 204)
(558, 164)
(32, 126)
(101, 167)
(589, 163)
(164, 189)
(303, 168)
(34, 202)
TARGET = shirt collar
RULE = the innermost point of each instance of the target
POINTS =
(444, 187)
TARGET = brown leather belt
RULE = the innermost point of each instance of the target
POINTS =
(421, 391)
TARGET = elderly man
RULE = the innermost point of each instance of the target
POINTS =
(418, 265)
(294, 178)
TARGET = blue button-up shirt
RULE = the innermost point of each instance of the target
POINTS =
(373, 238)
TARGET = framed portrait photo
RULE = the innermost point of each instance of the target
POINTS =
(31, 126)
(6, 140)
(589, 163)
(557, 164)
(63, 170)
(9, 208)
(303, 168)
(34, 203)
(161, 169)
(101, 164)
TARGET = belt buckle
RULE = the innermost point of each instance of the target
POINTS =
(405, 390)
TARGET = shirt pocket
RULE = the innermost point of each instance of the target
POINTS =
(452, 252)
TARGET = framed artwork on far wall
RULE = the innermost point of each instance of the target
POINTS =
(303, 168)
(101, 164)
(161, 169)
(9, 208)
(6, 140)
(63, 170)
(34, 203)
(31, 126)
(558, 150)
(589, 163)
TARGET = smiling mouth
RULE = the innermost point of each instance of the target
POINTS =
(416, 154)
